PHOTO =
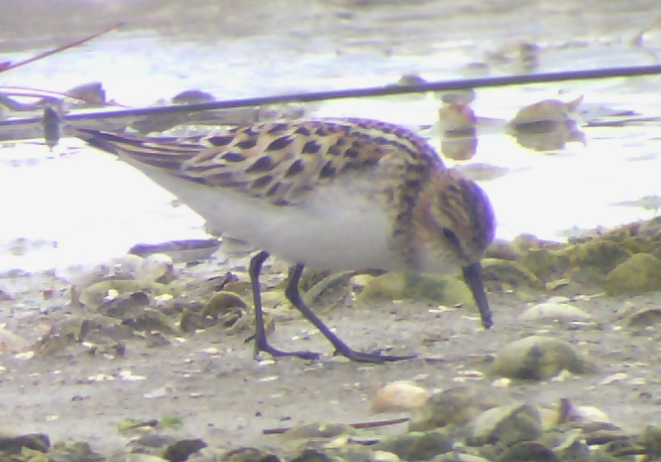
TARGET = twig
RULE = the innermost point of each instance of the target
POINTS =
(8, 65)
(358, 425)
(363, 92)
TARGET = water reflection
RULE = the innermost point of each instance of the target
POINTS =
(90, 203)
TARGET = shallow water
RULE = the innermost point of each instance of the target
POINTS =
(93, 207)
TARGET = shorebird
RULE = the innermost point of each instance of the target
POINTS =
(329, 194)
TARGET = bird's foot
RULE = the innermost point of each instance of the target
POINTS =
(264, 346)
(376, 358)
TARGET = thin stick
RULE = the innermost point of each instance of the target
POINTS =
(363, 92)
(8, 65)
(357, 425)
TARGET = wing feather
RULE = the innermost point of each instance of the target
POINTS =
(280, 161)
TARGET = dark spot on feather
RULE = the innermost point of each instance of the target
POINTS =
(322, 131)
(261, 182)
(247, 144)
(341, 141)
(273, 189)
(351, 153)
(327, 171)
(356, 144)
(454, 189)
(276, 128)
(311, 147)
(280, 143)
(233, 157)
(303, 131)
(215, 179)
(251, 131)
(334, 150)
(263, 164)
(295, 168)
(220, 140)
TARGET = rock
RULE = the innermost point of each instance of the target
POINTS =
(418, 445)
(443, 290)
(549, 311)
(459, 456)
(124, 306)
(9, 341)
(651, 439)
(503, 250)
(383, 456)
(550, 110)
(156, 268)
(5, 296)
(509, 272)
(528, 451)
(566, 444)
(76, 451)
(505, 425)
(587, 414)
(311, 455)
(541, 262)
(247, 454)
(182, 449)
(600, 254)
(222, 303)
(538, 358)
(16, 444)
(644, 318)
(456, 405)
(399, 396)
(640, 273)
(97, 293)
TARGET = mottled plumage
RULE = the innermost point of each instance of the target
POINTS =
(331, 193)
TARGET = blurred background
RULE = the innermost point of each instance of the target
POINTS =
(589, 159)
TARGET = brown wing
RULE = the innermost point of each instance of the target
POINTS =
(279, 162)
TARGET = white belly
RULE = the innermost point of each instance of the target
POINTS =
(340, 226)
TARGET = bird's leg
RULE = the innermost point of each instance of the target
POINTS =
(261, 342)
(294, 296)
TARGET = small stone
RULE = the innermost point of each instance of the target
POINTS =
(509, 272)
(644, 318)
(456, 405)
(538, 358)
(502, 250)
(5, 296)
(384, 456)
(399, 396)
(548, 311)
(505, 425)
(640, 273)
(443, 290)
(417, 445)
(9, 341)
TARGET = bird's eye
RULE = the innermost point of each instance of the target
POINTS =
(449, 234)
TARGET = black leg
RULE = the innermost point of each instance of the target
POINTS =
(261, 343)
(341, 348)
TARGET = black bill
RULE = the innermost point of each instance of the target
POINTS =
(473, 277)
